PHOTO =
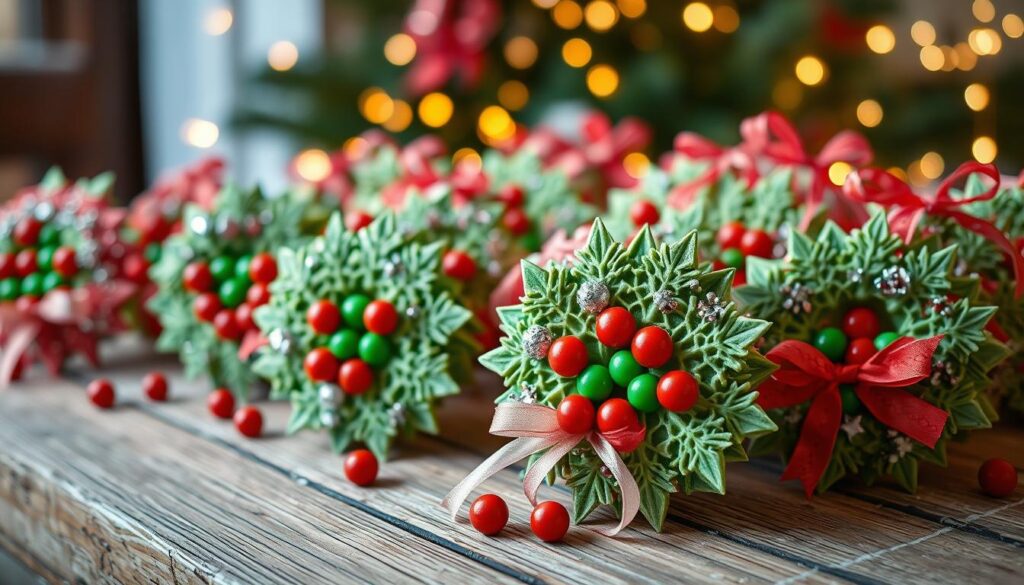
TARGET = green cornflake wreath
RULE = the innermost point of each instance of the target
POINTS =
(243, 223)
(911, 291)
(379, 262)
(663, 286)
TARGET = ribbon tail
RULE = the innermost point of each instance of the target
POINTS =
(904, 412)
(540, 468)
(813, 450)
(17, 344)
(627, 484)
(989, 231)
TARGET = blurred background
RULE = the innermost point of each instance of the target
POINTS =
(142, 86)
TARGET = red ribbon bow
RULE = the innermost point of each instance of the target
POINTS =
(451, 39)
(721, 160)
(907, 208)
(805, 374)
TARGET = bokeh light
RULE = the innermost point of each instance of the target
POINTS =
(376, 105)
(282, 56)
(636, 164)
(218, 21)
(984, 149)
(400, 49)
(435, 109)
(810, 70)
(567, 14)
(199, 133)
(923, 33)
(602, 80)
(838, 171)
(513, 95)
(601, 15)
(932, 165)
(697, 16)
(870, 113)
(313, 165)
(976, 95)
(576, 52)
(880, 39)
(632, 8)
(726, 19)
(521, 52)
(401, 117)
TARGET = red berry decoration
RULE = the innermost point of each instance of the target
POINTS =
(730, 235)
(997, 477)
(757, 243)
(512, 195)
(380, 317)
(66, 265)
(355, 376)
(860, 350)
(576, 414)
(321, 365)
(7, 268)
(134, 267)
(488, 514)
(458, 265)
(644, 212)
(249, 421)
(225, 325)
(101, 393)
(357, 220)
(615, 327)
(678, 391)
(567, 356)
(263, 268)
(25, 262)
(516, 221)
(861, 322)
(361, 467)
(197, 277)
(221, 403)
(616, 414)
(154, 386)
(243, 318)
(26, 232)
(323, 317)
(257, 295)
(652, 346)
(206, 306)
(549, 521)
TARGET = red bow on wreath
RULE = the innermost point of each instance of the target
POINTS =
(417, 170)
(805, 374)
(721, 160)
(451, 36)
(907, 208)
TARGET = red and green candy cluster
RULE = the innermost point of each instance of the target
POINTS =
(736, 242)
(355, 341)
(855, 342)
(37, 262)
(229, 289)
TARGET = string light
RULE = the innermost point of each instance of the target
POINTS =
(985, 41)
(435, 109)
(697, 16)
(602, 80)
(810, 70)
(576, 52)
(932, 58)
(880, 39)
(632, 8)
(976, 95)
(401, 117)
(400, 49)
(313, 165)
(870, 113)
(636, 164)
(984, 149)
(219, 21)
(567, 14)
(199, 133)
(467, 157)
(521, 52)
(923, 33)
(726, 19)
(1013, 26)
(376, 105)
(787, 94)
(983, 10)
(282, 56)
(838, 171)
(932, 165)
(513, 95)
(496, 124)
(601, 15)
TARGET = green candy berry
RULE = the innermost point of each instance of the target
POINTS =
(732, 257)
(595, 383)
(374, 349)
(531, 241)
(152, 253)
(352, 310)
(885, 339)
(642, 393)
(222, 268)
(49, 235)
(232, 292)
(851, 404)
(242, 268)
(51, 280)
(623, 367)
(32, 285)
(831, 341)
(10, 288)
(344, 344)
(44, 258)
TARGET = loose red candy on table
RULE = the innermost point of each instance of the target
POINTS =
(197, 277)
(488, 514)
(355, 376)
(567, 356)
(861, 322)
(549, 521)
(361, 467)
(616, 414)
(101, 393)
(225, 325)
(320, 365)
(249, 421)
(380, 317)
(757, 243)
(730, 235)
(652, 347)
(678, 391)
(458, 265)
(206, 306)
(997, 478)
(615, 327)
(575, 414)
(644, 212)
(221, 403)
(263, 268)
(154, 386)
(323, 317)
(860, 350)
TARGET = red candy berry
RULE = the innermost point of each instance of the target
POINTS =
(567, 356)
(549, 521)
(257, 295)
(997, 477)
(361, 467)
(730, 235)
(197, 277)
(7, 268)
(488, 514)
(101, 393)
(221, 403)
(25, 262)
(516, 221)
(249, 421)
(357, 220)
(243, 317)
(134, 267)
(861, 322)
(323, 317)
(206, 306)
(644, 212)
(225, 325)
(154, 386)
(652, 347)
(320, 365)
(26, 232)
(263, 268)
(380, 317)
(576, 414)
(860, 350)
(757, 243)
(615, 327)
(458, 265)
(512, 195)
(616, 414)
(355, 376)
(678, 391)
(66, 265)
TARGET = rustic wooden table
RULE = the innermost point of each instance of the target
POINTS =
(164, 493)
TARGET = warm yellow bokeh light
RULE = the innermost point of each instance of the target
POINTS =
(282, 56)
(602, 80)
(496, 123)
(313, 165)
(544, 3)
(880, 39)
(983, 10)
(513, 95)
(697, 16)
(567, 14)
(576, 52)
(984, 149)
(900, 173)
(787, 94)
(400, 49)
(1013, 26)
(923, 33)
(966, 59)
(838, 171)
(435, 109)
(915, 176)
(869, 113)
(932, 58)
(376, 105)
(985, 41)
(199, 133)
(810, 70)
(932, 165)
(401, 117)
(976, 95)
(949, 58)
(521, 52)
(636, 164)
(467, 157)
(218, 21)
(355, 147)
(632, 8)
(601, 15)
(726, 20)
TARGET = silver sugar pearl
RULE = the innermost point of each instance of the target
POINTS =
(396, 414)
(665, 301)
(413, 312)
(199, 225)
(593, 296)
(537, 342)
(44, 211)
(712, 308)
(279, 341)
(894, 281)
(330, 395)
(310, 261)
(329, 419)
(527, 394)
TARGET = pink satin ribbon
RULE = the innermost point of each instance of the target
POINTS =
(536, 429)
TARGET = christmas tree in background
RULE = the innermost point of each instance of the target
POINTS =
(928, 90)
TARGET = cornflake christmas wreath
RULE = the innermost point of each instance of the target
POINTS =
(215, 273)
(882, 356)
(364, 334)
(629, 373)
